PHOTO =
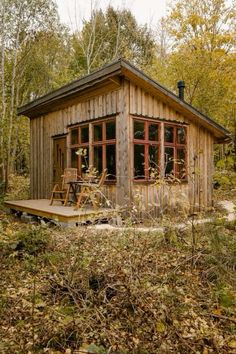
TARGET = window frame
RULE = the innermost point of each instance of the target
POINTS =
(79, 145)
(104, 142)
(175, 146)
(146, 142)
(161, 145)
(92, 143)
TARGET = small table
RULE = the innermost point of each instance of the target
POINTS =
(74, 188)
(76, 185)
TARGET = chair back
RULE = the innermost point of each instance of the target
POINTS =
(69, 175)
(102, 178)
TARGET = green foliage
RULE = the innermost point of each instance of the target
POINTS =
(194, 43)
(31, 241)
(202, 50)
(29, 67)
(226, 297)
(109, 35)
(18, 187)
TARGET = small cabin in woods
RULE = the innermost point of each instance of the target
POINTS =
(157, 149)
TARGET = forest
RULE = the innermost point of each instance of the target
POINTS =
(161, 286)
(194, 43)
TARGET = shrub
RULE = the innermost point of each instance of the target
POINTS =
(18, 187)
(31, 242)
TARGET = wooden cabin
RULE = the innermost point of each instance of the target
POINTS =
(157, 148)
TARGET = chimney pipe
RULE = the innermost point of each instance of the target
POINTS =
(181, 86)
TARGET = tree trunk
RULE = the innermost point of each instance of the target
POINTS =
(235, 145)
(3, 113)
(10, 158)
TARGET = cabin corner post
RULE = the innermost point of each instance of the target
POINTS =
(123, 194)
(31, 161)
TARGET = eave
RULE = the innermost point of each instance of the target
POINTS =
(110, 73)
(220, 133)
(45, 104)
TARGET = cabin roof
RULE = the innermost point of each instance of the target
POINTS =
(119, 68)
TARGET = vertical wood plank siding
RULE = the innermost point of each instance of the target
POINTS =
(126, 102)
(45, 127)
(197, 192)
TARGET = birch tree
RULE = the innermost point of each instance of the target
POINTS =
(22, 21)
(108, 35)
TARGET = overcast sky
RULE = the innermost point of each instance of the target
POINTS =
(146, 11)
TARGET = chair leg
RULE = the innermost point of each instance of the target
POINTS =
(66, 197)
(51, 200)
(79, 198)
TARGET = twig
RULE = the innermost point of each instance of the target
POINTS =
(221, 317)
(185, 343)
(33, 312)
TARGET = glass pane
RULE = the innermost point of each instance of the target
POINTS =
(139, 162)
(85, 160)
(74, 158)
(74, 136)
(181, 136)
(97, 158)
(169, 134)
(111, 161)
(153, 161)
(169, 161)
(181, 164)
(84, 134)
(97, 132)
(110, 130)
(153, 132)
(138, 130)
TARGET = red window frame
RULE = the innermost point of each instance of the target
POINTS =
(147, 143)
(80, 145)
(103, 142)
(91, 144)
(175, 145)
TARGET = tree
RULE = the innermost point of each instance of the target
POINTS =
(26, 24)
(203, 54)
(109, 35)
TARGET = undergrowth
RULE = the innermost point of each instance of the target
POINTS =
(80, 290)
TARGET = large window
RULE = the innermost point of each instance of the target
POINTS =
(146, 149)
(97, 149)
(149, 149)
(104, 147)
(175, 151)
(80, 148)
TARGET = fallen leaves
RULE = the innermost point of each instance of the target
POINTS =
(112, 292)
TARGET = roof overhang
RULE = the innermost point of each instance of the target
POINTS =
(45, 104)
(110, 72)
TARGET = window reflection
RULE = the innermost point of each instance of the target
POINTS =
(139, 130)
(139, 162)
(169, 134)
(180, 132)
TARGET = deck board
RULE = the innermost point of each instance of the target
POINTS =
(57, 212)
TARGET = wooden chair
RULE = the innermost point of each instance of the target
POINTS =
(61, 191)
(91, 191)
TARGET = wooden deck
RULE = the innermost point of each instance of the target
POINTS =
(59, 213)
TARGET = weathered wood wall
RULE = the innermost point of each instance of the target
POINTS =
(125, 102)
(197, 192)
(56, 123)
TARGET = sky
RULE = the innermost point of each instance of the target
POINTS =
(72, 12)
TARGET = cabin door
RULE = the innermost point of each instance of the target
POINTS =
(59, 158)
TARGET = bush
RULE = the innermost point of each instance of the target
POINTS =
(31, 242)
(18, 187)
